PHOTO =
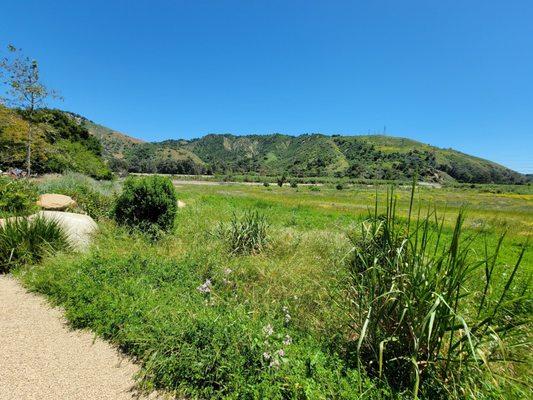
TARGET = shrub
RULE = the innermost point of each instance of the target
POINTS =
(314, 188)
(247, 234)
(92, 197)
(294, 184)
(17, 196)
(339, 186)
(266, 184)
(26, 241)
(147, 203)
(419, 315)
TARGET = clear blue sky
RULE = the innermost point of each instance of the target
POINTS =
(450, 73)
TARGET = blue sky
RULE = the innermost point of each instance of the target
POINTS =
(450, 73)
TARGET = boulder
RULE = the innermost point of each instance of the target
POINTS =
(57, 202)
(79, 228)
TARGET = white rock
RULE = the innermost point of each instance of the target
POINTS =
(79, 228)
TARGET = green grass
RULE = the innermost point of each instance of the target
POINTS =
(215, 343)
(25, 241)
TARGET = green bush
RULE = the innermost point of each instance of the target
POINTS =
(17, 196)
(339, 186)
(247, 234)
(266, 184)
(147, 203)
(423, 318)
(294, 184)
(92, 197)
(314, 188)
(24, 241)
(74, 156)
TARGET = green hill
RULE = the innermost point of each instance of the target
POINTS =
(59, 143)
(313, 155)
(68, 141)
(310, 155)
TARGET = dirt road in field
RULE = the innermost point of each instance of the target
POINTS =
(41, 358)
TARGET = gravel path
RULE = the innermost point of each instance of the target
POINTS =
(41, 358)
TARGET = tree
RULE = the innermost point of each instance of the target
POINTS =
(282, 179)
(24, 90)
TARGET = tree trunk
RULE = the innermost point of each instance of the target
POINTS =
(28, 151)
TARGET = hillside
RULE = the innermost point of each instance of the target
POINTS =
(368, 157)
(59, 144)
(68, 141)
(311, 155)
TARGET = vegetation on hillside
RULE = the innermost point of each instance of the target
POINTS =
(59, 143)
(353, 157)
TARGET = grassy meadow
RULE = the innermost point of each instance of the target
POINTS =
(207, 322)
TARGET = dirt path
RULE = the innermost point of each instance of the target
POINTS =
(40, 358)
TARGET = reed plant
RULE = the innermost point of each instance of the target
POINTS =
(426, 314)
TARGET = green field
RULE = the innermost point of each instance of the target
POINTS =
(236, 341)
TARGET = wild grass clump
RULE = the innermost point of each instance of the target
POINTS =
(93, 197)
(246, 234)
(26, 241)
(426, 314)
(17, 197)
(148, 204)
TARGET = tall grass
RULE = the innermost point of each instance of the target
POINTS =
(26, 241)
(247, 234)
(425, 312)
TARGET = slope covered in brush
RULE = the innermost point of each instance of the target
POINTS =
(371, 157)
(59, 143)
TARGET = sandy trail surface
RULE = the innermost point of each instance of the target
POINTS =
(41, 358)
